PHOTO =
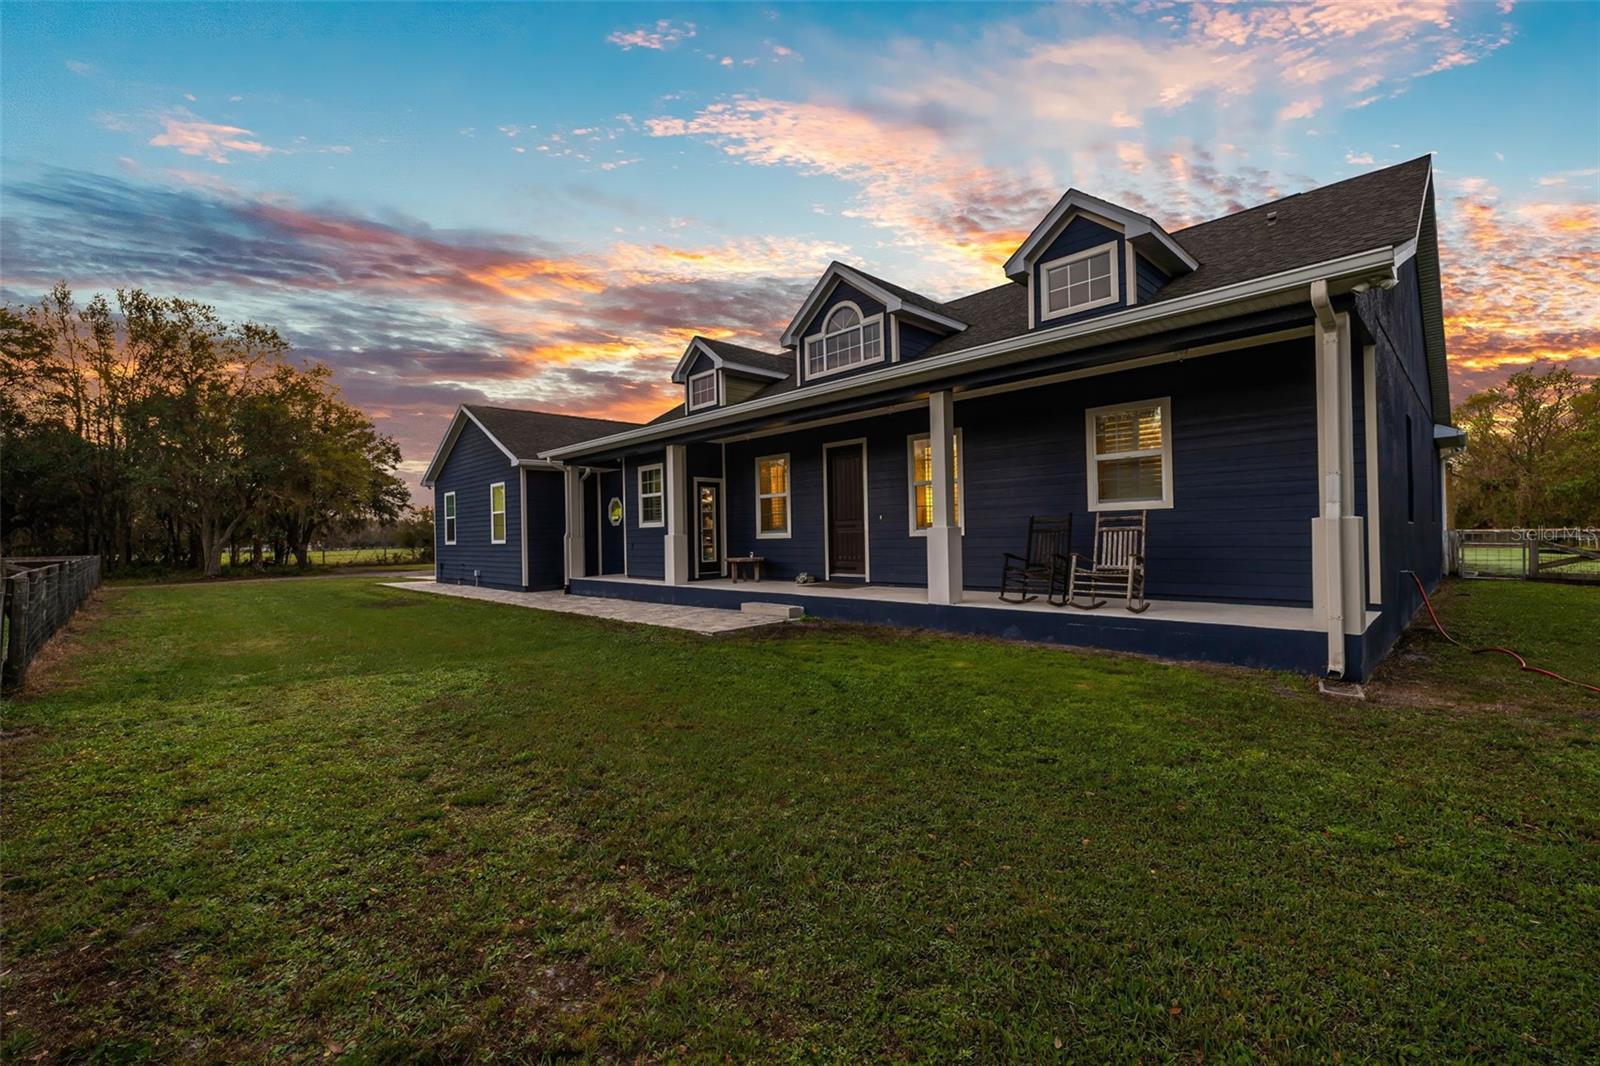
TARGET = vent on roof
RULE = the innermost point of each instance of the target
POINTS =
(1272, 218)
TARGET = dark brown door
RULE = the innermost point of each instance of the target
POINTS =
(847, 518)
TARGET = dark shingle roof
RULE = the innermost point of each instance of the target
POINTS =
(1350, 216)
(1379, 208)
(915, 299)
(782, 362)
(527, 433)
(671, 414)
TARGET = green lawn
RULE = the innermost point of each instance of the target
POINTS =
(326, 819)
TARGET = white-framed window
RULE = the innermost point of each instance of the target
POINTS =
(652, 496)
(449, 518)
(846, 340)
(1079, 281)
(772, 496)
(703, 390)
(1130, 455)
(497, 513)
(919, 473)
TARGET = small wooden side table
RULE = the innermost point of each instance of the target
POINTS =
(749, 563)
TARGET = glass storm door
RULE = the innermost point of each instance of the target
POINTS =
(708, 528)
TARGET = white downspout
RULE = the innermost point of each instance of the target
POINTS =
(1327, 556)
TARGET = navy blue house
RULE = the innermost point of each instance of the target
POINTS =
(1283, 367)
(500, 513)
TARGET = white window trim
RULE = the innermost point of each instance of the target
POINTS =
(822, 338)
(449, 518)
(504, 521)
(1092, 459)
(639, 473)
(1046, 313)
(788, 498)
(716, 390)
(911, 481)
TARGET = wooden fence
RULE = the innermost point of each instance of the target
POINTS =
(37, 597)
(1527, 554)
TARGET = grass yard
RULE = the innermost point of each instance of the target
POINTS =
(330, 820)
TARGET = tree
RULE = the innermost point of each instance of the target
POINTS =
(1533, 453)
(155, 431)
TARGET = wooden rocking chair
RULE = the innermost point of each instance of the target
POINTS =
(1045, 569)
(1117, 568)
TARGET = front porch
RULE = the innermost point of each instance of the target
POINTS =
(1272, 637)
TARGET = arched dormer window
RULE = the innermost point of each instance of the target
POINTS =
(846, 340)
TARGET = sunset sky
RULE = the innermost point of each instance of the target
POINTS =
(538, 205)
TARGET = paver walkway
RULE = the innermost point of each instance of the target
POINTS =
(705, 620)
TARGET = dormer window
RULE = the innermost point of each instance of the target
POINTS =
(703, 390)
(1080, 281)
(845, 341)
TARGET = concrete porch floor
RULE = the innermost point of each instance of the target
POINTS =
(704, 620)
(1255, 616)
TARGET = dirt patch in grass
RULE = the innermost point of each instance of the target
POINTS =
(50, 669)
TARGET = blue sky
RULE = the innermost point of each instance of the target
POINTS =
(539, 204)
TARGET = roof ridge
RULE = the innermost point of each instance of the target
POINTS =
(548, 414)
(1306, 192)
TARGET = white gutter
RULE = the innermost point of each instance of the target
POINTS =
(1370, 267)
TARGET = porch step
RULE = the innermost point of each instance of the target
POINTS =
(785, 611)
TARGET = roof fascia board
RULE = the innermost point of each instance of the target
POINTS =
(1360, 266)
(1134, 226)
(695, 347)
(832, 276)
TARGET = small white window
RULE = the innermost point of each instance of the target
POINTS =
(1079, 281)
(449, 518)
(1130, 455)
(652, 496)
(497, 513)
(703, 390)
(772, 496)
(846, 341)
(920, 475)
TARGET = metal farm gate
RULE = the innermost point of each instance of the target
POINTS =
(1529, 554)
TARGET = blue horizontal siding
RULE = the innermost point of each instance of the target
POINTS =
(475, 463)
(1080, 235)
(1244, 479)
(645, 544)
(1244, 473)
(1150, 279)
(914, 340)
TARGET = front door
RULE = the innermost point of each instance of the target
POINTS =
(708, 528)
(847, 507)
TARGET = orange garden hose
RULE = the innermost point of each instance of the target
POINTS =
(1521, 662)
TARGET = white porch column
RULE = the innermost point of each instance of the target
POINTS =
(574, 539)
(676, 548)
(1338, 589)
(944, 536)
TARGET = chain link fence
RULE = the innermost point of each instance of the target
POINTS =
(37, 597)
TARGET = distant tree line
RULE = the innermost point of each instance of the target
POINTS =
(149, 431)
(1532, 456)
